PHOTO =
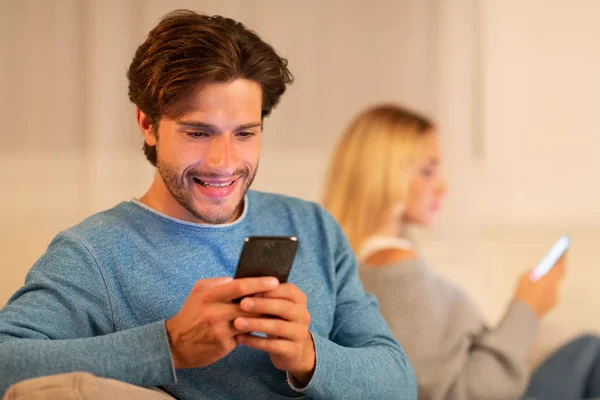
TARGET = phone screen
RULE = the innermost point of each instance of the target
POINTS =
(550, 259)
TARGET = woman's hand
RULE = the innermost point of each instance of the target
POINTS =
(541, 295)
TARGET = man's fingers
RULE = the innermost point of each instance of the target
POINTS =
(205, 284)
(271, 346)
(274, 327)
(287, 291)
(225, 312)
(240, 288)
(280, 308)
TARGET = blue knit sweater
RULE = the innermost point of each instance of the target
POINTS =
(97, 301)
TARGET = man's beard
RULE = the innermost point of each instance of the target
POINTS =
(181, 188)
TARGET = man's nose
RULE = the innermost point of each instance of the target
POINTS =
(220, 153)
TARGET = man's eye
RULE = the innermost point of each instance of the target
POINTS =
(197, 134)
(245, 134)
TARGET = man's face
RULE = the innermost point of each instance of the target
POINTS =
(208, 157)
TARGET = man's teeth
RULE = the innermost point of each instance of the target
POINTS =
(216, 185)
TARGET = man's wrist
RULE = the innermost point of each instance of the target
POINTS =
(303, 375)
(174, 352)
(302, 379)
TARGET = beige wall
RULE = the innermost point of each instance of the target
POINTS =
(541, 127)
(513, 85)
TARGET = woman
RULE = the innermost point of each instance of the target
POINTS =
(385, 175)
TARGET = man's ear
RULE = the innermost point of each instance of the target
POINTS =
(146, 127)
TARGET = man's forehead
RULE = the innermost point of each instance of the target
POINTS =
(239, 92)
(222, 104)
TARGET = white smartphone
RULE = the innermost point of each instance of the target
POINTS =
(550, 259)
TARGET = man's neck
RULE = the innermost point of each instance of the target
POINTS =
(160, 199)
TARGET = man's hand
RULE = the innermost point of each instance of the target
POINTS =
(288, 342)
(541, 295)
(202, 332)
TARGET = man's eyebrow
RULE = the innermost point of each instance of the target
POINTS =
(212, 128)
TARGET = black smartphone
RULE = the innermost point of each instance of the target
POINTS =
(267, 256)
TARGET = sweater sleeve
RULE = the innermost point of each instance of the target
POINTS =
(360, 359)
(61, 321)
(496, 367)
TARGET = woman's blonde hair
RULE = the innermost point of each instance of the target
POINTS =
(369, 171)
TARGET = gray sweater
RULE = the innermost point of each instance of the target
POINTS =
(455, 356)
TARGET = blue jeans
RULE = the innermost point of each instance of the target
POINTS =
(571, 373)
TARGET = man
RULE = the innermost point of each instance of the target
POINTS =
(142, 293)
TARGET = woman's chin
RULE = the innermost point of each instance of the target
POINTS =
(420, 222)
(429, 220)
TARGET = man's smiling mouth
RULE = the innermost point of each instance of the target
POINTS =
(213, 183)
